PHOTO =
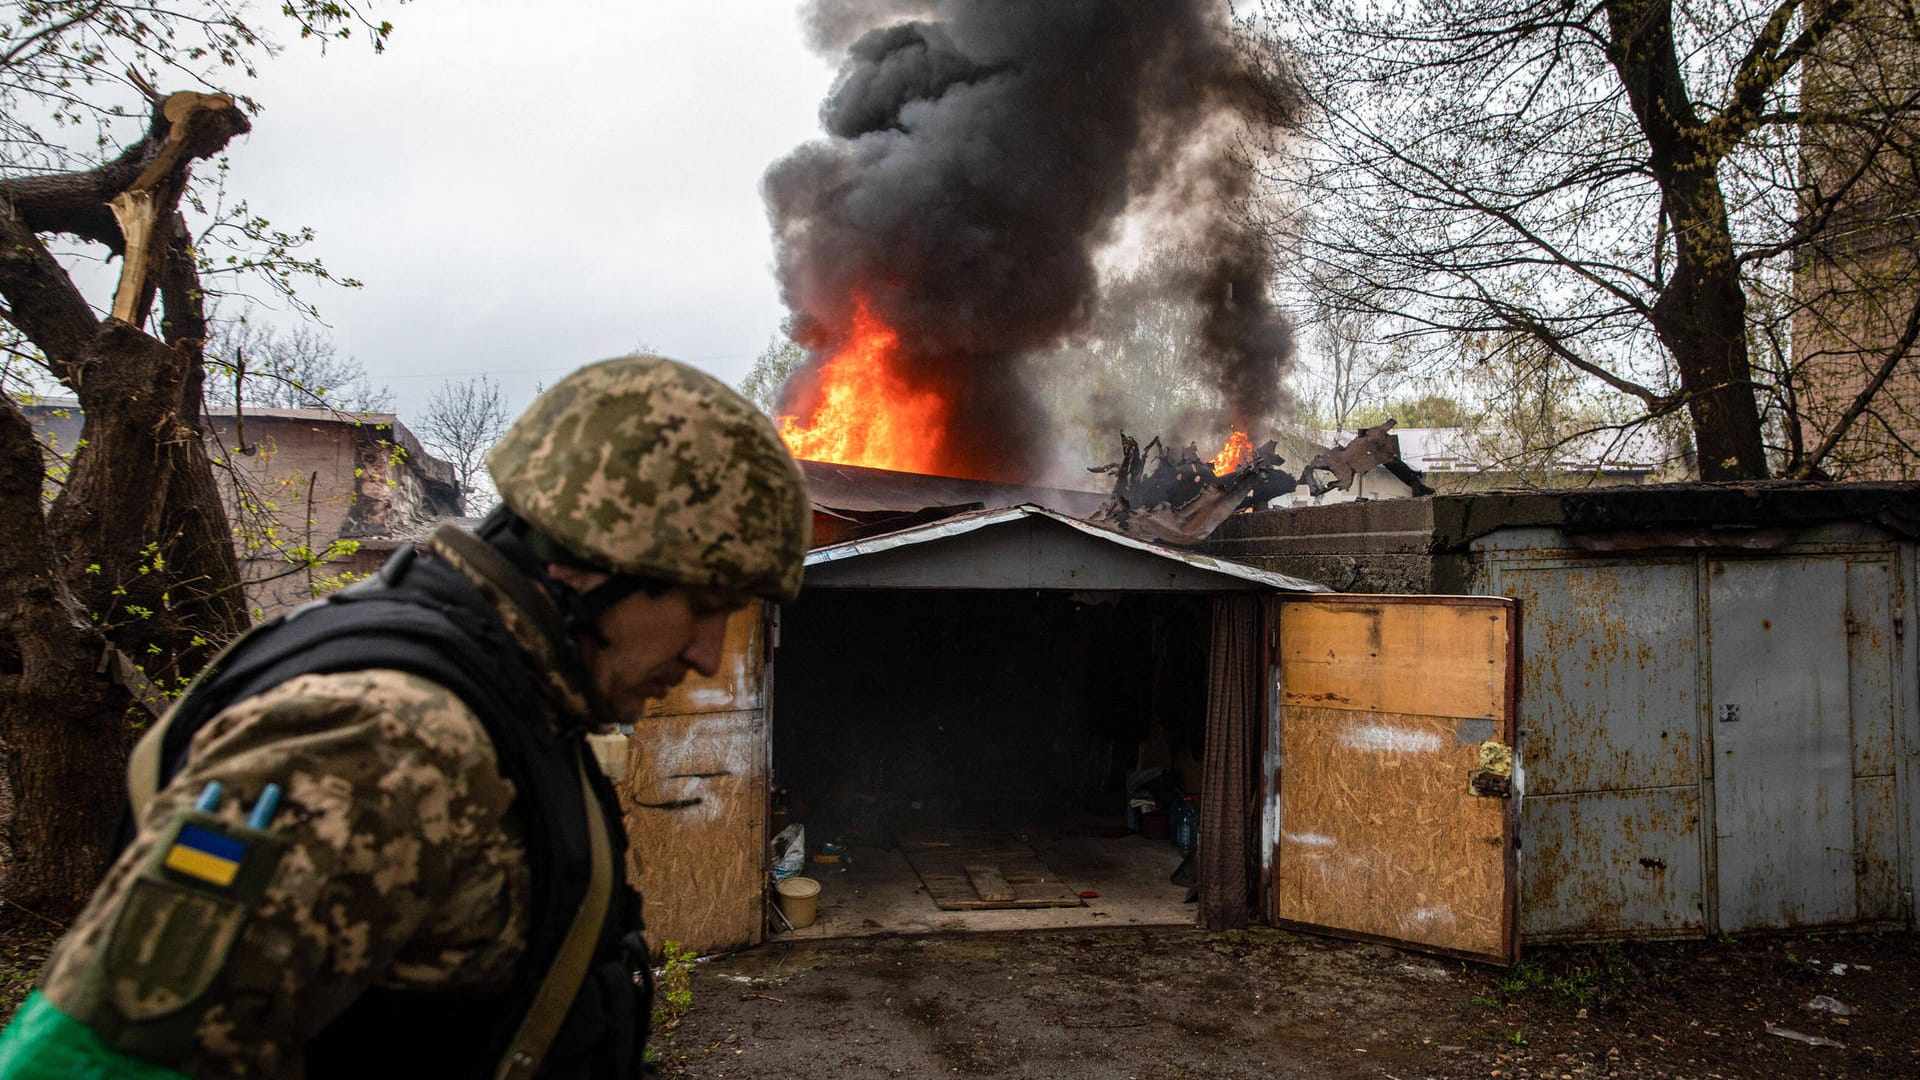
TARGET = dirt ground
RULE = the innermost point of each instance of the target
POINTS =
(1173, 1002)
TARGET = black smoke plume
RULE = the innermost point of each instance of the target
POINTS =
(980, 155)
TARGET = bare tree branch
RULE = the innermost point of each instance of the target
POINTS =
(462, 422)
(1631, 183)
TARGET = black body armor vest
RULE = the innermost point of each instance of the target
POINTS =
(423, 617)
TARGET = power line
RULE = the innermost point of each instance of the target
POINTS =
(537, 370)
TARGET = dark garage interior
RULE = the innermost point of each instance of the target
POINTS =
(920, 734)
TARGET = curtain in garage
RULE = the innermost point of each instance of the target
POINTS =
(1228, 786)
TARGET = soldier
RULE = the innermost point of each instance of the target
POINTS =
(370, 841)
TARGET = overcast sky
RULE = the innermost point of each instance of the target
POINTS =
(526, 188)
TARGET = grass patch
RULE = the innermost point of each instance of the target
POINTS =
(1579, 978)
(673, 987)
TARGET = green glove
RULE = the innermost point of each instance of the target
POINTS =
(44, 1043)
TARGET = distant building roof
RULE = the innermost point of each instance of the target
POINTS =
(421, 459)
(345, 416)
(1454, 449)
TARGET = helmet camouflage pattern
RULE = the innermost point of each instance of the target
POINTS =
(645, 466)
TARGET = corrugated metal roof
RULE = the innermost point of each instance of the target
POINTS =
(986, 519)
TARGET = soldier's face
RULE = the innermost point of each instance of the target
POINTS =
(653, 642)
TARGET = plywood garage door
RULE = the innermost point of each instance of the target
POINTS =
(1394, 723)
(696, 800)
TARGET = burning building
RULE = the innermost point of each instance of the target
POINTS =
(982, 693)
(1003, 713)
(992, 705)
(946, 238)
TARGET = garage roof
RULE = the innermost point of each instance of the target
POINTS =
(833, 486)
(1030, 547)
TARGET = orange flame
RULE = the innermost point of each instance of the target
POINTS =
(868, 415)
(1234, 455)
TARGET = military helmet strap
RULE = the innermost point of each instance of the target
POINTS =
(532, 551)
(528, 552)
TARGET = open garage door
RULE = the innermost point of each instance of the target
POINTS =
(696, 800)
(1391, 791)
(969, 759)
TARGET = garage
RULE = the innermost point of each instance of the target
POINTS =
(999, 722)
(976, 722)
(971, 711)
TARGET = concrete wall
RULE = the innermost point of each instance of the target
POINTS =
(1378, 547)
(297, 479)
(303, 478)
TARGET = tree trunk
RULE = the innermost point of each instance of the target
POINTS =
(131, 564)
(62, 725)
(141, 499)
(69, 791)
(1702, 320)
(1701, 313)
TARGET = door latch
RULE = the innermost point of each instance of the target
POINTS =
(1493, 778)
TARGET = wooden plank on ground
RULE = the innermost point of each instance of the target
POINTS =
(945, 859)
(988, 884)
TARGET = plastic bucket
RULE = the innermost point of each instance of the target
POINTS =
(799, 900)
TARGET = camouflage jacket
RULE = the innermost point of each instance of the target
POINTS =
(401, 869)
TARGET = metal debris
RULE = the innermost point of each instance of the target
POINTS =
(1173, 496)
(1810, 1040)
(1374, 446)
(1170, 495)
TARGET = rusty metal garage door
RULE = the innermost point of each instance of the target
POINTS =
(1783, 762)
(1392, 770)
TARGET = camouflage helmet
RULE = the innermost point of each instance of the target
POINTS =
(644, 466)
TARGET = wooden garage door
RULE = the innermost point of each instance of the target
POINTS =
(696, 800)
(1391, 743)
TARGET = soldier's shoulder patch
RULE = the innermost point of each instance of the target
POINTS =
(181, 915)
(166, 946)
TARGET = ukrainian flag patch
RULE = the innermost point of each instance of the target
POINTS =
(205, 855)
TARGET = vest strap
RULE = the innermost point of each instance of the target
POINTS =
(562, 982)
(504, 576)
(143, 767)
